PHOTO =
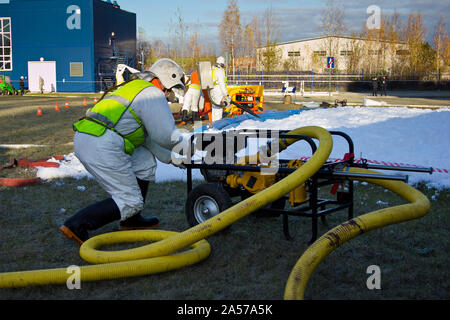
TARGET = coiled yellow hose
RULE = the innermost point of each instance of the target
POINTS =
(158, 256)
(166, 254)
(418, 207)
(199, 251)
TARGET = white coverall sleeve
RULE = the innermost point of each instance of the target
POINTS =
(220, 74)
(152, 108)
(162, 154)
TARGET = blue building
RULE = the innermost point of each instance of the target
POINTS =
(65, 45)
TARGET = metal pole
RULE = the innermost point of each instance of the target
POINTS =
(370, 176)
(337, 81)
(439, 79)
(329, 82)
(362, 79)
(411, 169)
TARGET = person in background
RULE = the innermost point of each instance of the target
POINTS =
(219, 93)
(41, 84)
(22, 86)
(193, 99)
(383, 83)
(117, 142)
(374, 86)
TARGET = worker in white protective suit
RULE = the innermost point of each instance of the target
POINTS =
(219, 94)
(117, 142)
(119, 74)
(193, 99)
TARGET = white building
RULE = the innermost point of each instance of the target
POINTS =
(351, 54)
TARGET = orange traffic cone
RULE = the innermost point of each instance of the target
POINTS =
(39, 112)
(67, 104)
(57, 107)
(95, 99)
(85, 103)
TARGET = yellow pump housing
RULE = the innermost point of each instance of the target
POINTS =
(254, 182)
(298, 195)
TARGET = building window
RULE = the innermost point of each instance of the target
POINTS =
(374, 52)
(76, 69)
(346, 53)
(402, 52)
(293, 53)
(5, 45)
(320, 53)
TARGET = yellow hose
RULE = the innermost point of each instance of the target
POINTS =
(166, 254)
(418, 207)
(156, 257)
(199, 251)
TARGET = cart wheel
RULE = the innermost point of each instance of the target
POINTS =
(206, 201)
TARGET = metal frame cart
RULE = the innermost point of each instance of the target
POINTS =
(214, 196)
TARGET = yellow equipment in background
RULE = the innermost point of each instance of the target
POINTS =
(250, 96)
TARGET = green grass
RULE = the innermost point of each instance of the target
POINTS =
(21, 125)
(249, 260)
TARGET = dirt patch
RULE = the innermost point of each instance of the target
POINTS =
(281, 106)
(18, 173)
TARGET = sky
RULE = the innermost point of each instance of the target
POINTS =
(406, 136)
(298, 19)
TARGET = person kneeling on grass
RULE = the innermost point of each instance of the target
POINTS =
(117, 142)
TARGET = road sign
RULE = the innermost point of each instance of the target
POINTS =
(330, 62)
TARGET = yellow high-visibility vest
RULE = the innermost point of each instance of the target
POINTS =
(215, 83)
(107, 113)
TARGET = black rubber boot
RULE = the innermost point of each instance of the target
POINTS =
(183, 115)
(91, 218)
(143, 185)
(194, 116)
(138, 221)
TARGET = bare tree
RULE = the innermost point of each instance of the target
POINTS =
(195, 51)
(392, 32)
(270, 27)
(440, 42)
(414, 34)
(447, 53)
(291, 63)
(178, 35)
(392, 27)
(181, 30)
(158, 48)
(333, 25)
(144, 51)
(357, 48)
(270, 55)
(230, 30)
(251, 37)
